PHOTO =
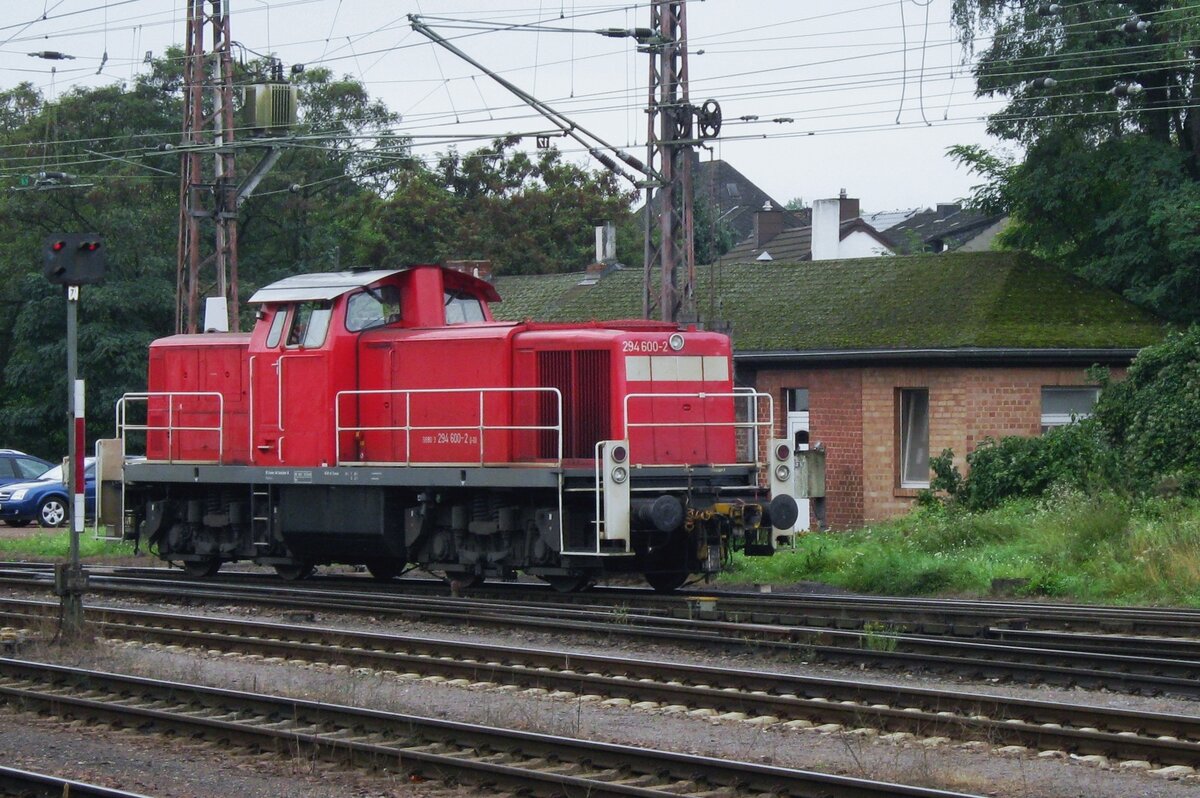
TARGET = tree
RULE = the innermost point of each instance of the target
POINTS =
(1108, 185)
(126, 190)
(527, 214)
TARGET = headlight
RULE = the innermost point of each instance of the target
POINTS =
(782, 472)
(676, 341)
(17, 495)
(619, 474)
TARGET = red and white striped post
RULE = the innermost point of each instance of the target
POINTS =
(77, 475)
(70, 581)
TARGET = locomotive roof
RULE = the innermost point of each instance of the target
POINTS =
(329, 285)
(320, 286)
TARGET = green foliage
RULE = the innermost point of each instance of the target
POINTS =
(1074, 456)
(527, 215)
(1067, 545)
(47, 545)
(1108, 186)
(1152, 417)
(351, 193)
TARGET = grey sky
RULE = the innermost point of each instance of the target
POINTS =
(875, 101)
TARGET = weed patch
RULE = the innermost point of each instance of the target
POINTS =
(1065, 545)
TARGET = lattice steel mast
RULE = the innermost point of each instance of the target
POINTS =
(669, 154)
(674, 128)
(212, 195)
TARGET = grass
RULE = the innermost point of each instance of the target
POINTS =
(53, 544)
(1066, 546)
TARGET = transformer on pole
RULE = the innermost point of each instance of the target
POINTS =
(207, 194)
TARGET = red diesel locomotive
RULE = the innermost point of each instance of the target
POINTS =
(383, 418)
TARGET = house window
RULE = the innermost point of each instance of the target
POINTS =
(1062, 405)
(797, 417)
(914, 437)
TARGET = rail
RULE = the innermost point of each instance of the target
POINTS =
(171, 428)
(449, 434)
(750, 427)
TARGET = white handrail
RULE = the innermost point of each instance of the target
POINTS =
(123, 425)
(750, 396)
(479, 425)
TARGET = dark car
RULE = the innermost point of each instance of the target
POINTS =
(18, 467)
(45, 499)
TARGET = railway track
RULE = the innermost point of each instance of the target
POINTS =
(1051, 661)
(966, 618)
(491, 758)
(758, 697)
(39, 785)
(1174, 632)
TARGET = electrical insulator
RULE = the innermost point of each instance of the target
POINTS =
(1048, 9)
(1043, 83)
(1133, 25)
(1125, 89)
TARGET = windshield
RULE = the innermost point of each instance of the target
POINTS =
(56, 473)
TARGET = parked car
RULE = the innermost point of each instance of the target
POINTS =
(18, 467)
(45, 499)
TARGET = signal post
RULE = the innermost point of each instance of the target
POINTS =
(72, 260)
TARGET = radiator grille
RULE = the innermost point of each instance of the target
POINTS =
(583, 378)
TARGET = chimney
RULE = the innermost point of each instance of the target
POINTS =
(606, 243)
(826, 228)
(945, 209)
(847, 207)
(768, 223)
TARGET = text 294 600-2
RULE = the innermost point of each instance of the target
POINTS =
(648, 347)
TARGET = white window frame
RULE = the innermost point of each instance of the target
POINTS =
(1049, 420)
(910, 402)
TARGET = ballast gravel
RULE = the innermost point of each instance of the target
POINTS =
(162, 766)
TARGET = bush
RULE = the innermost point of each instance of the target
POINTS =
(1152, 417)
(1074, 456)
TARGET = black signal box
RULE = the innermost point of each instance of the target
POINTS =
(74, 259)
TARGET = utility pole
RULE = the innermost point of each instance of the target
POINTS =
(674, 128)
(207, 126)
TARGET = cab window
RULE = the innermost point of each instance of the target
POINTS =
(373, 308)
(462, 308)
(276, 331)
(310, 323)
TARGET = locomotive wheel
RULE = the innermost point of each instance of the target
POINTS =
(567, 584)
(294, 573)
(201, 569)
(666, 581)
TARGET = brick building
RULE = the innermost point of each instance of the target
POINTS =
(884, 361)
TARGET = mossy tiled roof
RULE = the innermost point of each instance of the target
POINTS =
(952, 300)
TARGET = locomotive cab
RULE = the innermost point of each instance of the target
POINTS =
(383, 418)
